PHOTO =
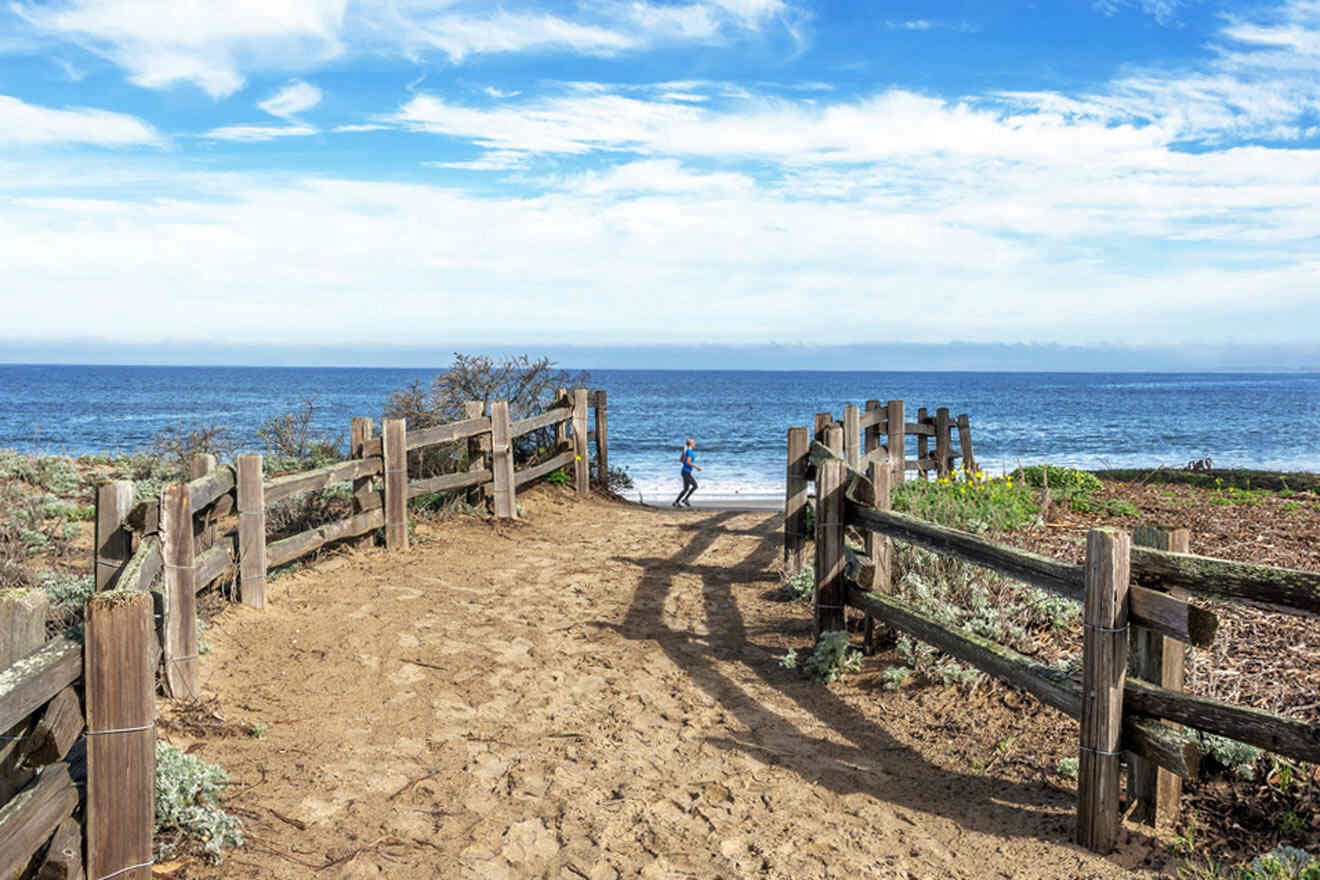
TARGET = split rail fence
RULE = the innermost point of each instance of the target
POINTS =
(1134, 592)
(80, 713)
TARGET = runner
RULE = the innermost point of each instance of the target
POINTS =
(688, 458)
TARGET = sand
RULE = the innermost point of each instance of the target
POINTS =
(594, 693)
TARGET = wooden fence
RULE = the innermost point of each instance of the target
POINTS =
(868, 436)
(150, 562)
(1136, 618)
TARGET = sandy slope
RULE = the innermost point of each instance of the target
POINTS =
(593, 693)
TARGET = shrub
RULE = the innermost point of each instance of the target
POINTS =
(799, 586)
(308, 510)
(832, 657)
(68, 593)
(894, 677)
(1068, 768)
(177, 445)
(289, 439)
(972, 502)
(559, 478)
(1283, 863)
(188, 797)
(617, 480)
(528, 385)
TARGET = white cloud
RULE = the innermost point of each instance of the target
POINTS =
(295, 98)
(459, 35)
(893, 123)
(657, 176)
(966, 245)
(256, 133)
(215, 45)
(495, 160)
(71, 71)
(210, 44)
(926, 24)
(286, 104)
(1163, 11)
(23, 124)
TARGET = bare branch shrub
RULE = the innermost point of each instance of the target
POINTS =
(177, 445)
(291, 442)
(527, 384)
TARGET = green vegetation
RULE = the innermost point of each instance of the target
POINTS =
(1234, 757)
(188, 812)
(972, 502)
(830, 660)
(1281, 863)
(1077, 489)
(1068, 768)
(292, 445)
(800, 586)
(559, 478)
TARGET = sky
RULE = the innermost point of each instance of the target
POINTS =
(258, 179)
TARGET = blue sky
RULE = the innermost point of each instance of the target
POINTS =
(461, 175)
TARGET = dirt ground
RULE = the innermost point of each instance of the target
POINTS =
(594, 693)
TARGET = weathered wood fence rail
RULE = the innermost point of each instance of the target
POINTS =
(73, 708)
(1136, 618)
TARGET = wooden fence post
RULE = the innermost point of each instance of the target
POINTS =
(476, 450)
(795, 499)
(1104, 668)
(180, 646)
(851, 435)
(834, 439)
(897, 451)
(561, 428)
(251, 531)
(943, 443)
(113, 543)
(829, 545)
(204, 531)
(121, 735)
(879, 549)
(22, 632)
(360, 432)
(822, 423)
(501, 437)
(580, 477)
(965, 443)
(602, 443)
(871, 436)
(1160, 660)
(394, 447)
(923, 444)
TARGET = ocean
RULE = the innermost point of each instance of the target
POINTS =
(738, 418)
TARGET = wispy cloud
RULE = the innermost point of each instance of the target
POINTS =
(214, 46)
(295, 98)
(495, 160)
(23, 124)
(287, 104)
(211, 45)
(927, 24)
(257, 133)
(1163, 11)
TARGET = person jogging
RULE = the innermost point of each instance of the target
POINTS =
(688, 458)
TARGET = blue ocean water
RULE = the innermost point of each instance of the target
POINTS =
(739, 418)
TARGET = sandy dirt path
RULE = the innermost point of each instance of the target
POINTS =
(594, 693)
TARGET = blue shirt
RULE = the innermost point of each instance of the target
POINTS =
(688, 457)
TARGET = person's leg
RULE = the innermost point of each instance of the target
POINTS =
(689, 486)
(683, 491)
